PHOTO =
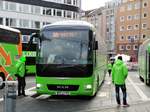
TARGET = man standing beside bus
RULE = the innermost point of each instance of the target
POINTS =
(119, 75)
(20, 73)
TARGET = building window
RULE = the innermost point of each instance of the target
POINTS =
(69, 13)
(122, 18)
(129, 17)
(124, 1)
(35, 24)
(144, 15)
(121, 47)
(129, 38)
(47, 11)
(1, 21)
(136, 37)
(136, 26)
(24, 8)
(35, 10)
(122, 9)
(129, 27)
(135, 47)
(67, 1)
(122, 38)
(144, 36)
(10, 6)
(122, 28)
(128, 47)
(137, 5)
(145, 4)
(74, 2)
(24, 23)
(129, 7)
(1, 5)
(11, 22)
(65, 13)
(144, 26)
(74, 15)
(59, 12)
(137, 16)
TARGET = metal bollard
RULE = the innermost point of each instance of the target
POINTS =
(10, 96)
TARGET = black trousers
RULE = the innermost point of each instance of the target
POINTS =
(123, 88)
(21, 85)
(109, 71)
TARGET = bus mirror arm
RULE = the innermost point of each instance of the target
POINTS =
(33, 35)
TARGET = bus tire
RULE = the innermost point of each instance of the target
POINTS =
(2, 79)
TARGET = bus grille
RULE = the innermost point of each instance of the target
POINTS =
(63, 87)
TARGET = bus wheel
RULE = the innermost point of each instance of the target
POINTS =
(2, 79)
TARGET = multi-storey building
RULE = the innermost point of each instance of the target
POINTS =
(30, 15)
(132, 26)
(95, 17)
(109, 27)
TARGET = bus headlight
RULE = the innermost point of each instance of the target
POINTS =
(38, 85)
(88, 86)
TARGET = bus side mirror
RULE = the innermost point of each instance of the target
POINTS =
(33, 36)
(96, 45)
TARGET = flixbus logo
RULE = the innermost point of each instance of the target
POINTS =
(29, 53)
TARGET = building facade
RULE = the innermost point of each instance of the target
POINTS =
(132, 26)
(30, 15)
(109, 25)
(95, 17)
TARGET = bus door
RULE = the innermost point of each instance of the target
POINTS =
(147, 67)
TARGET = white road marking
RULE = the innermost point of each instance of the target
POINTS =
(139, 91)
(30, 91)
(1, 99)
(103, 94)
(42, 97)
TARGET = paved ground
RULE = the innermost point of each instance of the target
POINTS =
(138, 98)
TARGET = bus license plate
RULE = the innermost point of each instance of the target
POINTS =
(62, 93)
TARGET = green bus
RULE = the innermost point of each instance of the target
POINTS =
(10, 51)
(68, 60)
(30, 54)
(144, 62)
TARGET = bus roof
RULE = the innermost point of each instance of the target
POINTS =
(71, 23)
(9, 29)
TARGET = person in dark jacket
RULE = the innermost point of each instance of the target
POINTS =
(119, 75)
(20, 73)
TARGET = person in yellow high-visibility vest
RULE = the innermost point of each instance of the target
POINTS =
(20, 73)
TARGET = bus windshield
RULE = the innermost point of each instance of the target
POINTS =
(64, 53)
(64, 47)
(9, 37)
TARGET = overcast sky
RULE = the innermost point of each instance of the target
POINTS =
(92, 4)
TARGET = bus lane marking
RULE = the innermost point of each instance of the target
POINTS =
(139, 91)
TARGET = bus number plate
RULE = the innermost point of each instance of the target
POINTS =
(62, 93)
